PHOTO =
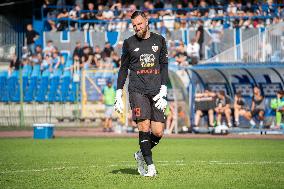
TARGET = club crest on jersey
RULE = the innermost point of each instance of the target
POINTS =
(155, 48)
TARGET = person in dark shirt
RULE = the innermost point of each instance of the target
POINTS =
(200, 37)
(31, 37)
(223, 106)
(145, 55)
(14, 64)
(78, 50)
(107, 50)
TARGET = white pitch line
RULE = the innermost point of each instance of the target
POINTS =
(39, 170)
(159, 163)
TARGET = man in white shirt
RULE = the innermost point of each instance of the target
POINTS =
(192, 51)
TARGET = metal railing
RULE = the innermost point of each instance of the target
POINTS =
(268, 46)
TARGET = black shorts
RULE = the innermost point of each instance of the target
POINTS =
(143, 107)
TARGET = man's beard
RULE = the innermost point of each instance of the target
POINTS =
(142, 33)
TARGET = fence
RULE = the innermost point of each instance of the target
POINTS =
(267, 46)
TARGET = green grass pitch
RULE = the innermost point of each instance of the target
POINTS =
(109, 163)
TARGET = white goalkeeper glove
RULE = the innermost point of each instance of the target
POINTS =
(161, 102)
(118, 104)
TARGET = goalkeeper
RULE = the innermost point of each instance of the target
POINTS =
(145, 55)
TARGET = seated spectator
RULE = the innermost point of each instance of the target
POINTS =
(181, 55)
(193, 51)
(14, 64)
(257, 108)
(204, 105)
(116, 59)
(74, 15)
(277, 104)
(49, 49)
(46, 66)
(89, 15)
(107, 50)
(63, 20)
(239, 108)
(223, 107)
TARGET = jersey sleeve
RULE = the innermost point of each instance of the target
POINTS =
(123, 70)
(163, 59)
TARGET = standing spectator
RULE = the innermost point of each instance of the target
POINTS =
(200, 37)
(216, 34)
(78, 49)
(223, 107)
(109, 98)
(277, 104)
(31, 37)
(171, 118)
(193, 51)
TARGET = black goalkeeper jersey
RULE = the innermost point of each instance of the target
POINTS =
(147, 60)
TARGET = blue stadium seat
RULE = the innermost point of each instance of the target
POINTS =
(64, 89)
(73, 92)
(53, 89)
(42, 89)
(31, 89)
(3, 86)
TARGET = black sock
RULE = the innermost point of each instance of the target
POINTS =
(145, 146)
(154, 140)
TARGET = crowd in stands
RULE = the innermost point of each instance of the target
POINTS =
(220, 109)
(170, 14)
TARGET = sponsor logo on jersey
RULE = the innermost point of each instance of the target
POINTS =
(148, 71)
(136, 50)
(147, 60)
(155, 48)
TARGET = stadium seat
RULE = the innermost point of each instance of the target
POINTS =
(42, 90)
(53, 89)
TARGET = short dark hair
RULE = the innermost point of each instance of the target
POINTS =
(138, 13)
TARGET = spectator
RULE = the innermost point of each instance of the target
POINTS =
(31, 37)
(171, 118)
(49, 49)
(200, 37)
(108, 97)
(107, 50)
(216, 34)
(277, 104)
(257, 107)
(116, 59)
(74, 15)
(204, 105)
(239, 108)
(181, 55)
(90, 15)
(46, 66)
(78, 49)
(14, 64)
(223, 107)
(193, 51)
(63, 20)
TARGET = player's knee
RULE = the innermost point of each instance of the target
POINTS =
(158, 134)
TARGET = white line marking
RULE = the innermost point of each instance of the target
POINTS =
(159, 163)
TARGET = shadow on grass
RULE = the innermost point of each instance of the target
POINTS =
(128, 171)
